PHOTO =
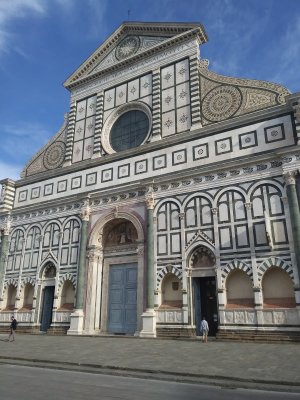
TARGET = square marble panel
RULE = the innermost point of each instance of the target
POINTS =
(22, 195)
(121, 94)
(182, 71)
(81, 110)
(133, 90)
(88, 147)
(159, 162)
(200, 151)
(62, 186)
(223, 146)
(48, 189)
(91, 179)
(167, 77)
(107, 175)
(76, 182)
(79, 130)
(77, 151)
(91, 106)
(109, 99)
(141, 167)
(182, 94)
(274, 133)
(35, 192)
(123, 171)
(168, 123)
(247, 140)
(146, 85)
(179, 157)
(168, 100)
(183, 119)
(90, 126)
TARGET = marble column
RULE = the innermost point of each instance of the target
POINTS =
(291, 193)
(149, 316)
(77, 317)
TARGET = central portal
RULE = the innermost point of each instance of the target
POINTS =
(122, 303)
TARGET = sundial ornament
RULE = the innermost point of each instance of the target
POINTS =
(128, 47)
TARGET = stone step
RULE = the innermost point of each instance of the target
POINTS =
(258, 336)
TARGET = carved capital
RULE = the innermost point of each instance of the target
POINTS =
(214, 210)
(7, 227)
(150, 201)
(284, 200)
(290, 177)
(181, 215)
(85, 210)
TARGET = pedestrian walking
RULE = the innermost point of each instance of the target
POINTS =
(13, 327)
(204, 330)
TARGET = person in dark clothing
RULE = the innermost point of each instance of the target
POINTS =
(13, 327)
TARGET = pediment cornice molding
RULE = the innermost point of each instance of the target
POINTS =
(178, 33)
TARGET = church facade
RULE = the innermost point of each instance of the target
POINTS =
(170, 193)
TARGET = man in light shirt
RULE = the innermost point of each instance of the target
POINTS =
(204, 329)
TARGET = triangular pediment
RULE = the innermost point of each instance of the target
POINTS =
(128, 42)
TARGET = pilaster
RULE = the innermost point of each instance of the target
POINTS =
(77, 317)
(149, 316)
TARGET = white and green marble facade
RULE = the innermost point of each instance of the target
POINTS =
(218, 170)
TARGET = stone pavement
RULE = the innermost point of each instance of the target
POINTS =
(235, 364)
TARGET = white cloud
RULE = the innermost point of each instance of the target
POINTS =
(10, 171)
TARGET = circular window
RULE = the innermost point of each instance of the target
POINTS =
(128, 127)
(129, 131)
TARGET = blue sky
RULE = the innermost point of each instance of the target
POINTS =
(43, 41)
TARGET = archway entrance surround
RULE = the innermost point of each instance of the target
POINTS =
(97, 277)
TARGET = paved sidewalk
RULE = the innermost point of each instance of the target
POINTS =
(235, 364)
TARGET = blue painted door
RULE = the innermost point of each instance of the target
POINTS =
(47, 308)
(122, 298)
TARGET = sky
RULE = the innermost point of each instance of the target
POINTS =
(43, 41)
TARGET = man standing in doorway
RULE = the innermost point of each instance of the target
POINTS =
(204, 329)
(13, 327)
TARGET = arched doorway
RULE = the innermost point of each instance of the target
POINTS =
(119, 238)
(48, 283)
(204, 293)
(115, 282)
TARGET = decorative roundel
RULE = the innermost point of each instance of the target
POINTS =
(54, 155)
(128, 47)
(221, 103)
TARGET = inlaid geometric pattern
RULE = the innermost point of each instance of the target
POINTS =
(48, 189)
(200, 151)
(223, 146)
(274, 133)
(76, 182)
(179, 157)
(247, 140)
(159, 162)
(91, 179)
(141, 167)
(62, 186)
(124, 171)
(107, 175)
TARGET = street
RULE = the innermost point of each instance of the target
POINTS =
(30, 383)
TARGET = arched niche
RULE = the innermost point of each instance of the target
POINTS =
(67, 296)
(11, 297)
(171, 292)
(28, 296)
(239, 290)
(277, 289)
